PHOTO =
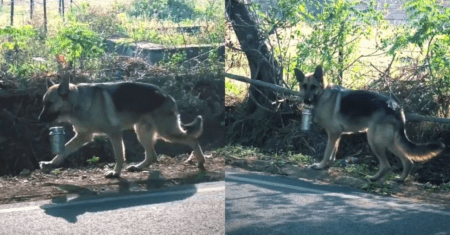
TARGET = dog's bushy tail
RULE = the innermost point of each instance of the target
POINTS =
(194, 128)
(418, 152)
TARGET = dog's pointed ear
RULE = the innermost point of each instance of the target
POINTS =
(63, 88)
(318, 74)
(299, 75)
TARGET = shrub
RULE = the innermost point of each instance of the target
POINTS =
(77, 42)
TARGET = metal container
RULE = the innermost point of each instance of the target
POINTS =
(57, 139)
(306, 119)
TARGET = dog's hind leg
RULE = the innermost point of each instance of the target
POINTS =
(119, 153)
(166, 120)
(169, 128)
(146, 136)
(380, 136)
(406, 161)
(330, 151)
(183, 138)
(71, 146)
(197, 153)
(333, 154)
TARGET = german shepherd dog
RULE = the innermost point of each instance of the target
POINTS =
(342, 111)
(109, 108)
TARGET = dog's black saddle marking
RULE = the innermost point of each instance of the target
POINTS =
(137, 97)
(365, 103)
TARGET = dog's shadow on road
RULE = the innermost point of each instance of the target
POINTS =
(88, 201)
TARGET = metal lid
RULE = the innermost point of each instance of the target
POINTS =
(57, 129)
(306, 111)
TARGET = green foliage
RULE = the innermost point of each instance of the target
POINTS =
(103, 24)
(384, 189)
(279, 159)
(12, 37)
(141, 33)
(174, 62)
(298, 158)
(426, 20)
(230, 87)
(238, 151)
(177, 10)
(429, 30)
(16, 49)
(94, 160)
(358, 169)
(212, 11)
(77, 41)
(25, 69)
(446, 186)
(336, 33)
(174, 10)
(287, 13)
(56, 171)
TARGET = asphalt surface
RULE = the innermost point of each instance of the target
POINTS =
(189, 209)
(268, 204)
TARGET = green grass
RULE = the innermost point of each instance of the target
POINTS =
(241, 152)
(446, 186)
(246, 152)
(363, 170)
(236, 89)
(94, 160)
(105, 18)
(384, 188)
(298, 158)
(56, 171)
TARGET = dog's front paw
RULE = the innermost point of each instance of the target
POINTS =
(133, 168)
(46, 166)
(112, 174)
(318, 166)
(371, 179)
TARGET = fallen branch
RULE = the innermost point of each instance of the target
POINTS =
(13, 93)
(264, 84)
(410, 117)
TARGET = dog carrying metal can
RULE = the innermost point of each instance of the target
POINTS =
(306, 119)
(57, 139)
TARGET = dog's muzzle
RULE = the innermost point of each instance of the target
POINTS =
(46, 116)
(308, 99)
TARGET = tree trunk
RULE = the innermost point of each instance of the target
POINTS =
(31, 9)
(62, 8)
(45, 16)
(341, 55)
(12, 12)
(263, 65)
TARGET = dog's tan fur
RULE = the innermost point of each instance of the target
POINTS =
(94, 109)
(341, 111)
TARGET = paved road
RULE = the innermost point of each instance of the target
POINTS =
(268, 204)
(189, 209)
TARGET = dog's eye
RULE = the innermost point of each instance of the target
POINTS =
(312, 87)
(305, 86)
